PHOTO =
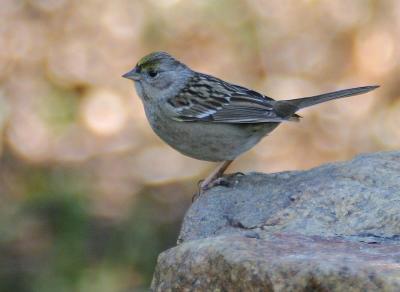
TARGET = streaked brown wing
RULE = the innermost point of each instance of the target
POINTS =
(206, 98)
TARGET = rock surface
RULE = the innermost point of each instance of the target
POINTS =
(331, 228)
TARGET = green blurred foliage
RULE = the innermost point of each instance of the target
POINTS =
(51, 241)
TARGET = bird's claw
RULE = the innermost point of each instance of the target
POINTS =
(228, 180)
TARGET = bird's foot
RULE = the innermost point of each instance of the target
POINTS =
(227, 180)
(200, 190)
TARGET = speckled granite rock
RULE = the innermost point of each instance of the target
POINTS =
(331, 228)
(278, 263)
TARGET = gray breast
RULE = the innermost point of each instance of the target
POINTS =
(206, 140)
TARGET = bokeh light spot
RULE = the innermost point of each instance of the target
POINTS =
(375, 52)
(103, 112)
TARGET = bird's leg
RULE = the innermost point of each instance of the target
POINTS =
(216, 178)
(208, 182)
(218, 172)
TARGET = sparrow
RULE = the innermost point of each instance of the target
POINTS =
(210, 119)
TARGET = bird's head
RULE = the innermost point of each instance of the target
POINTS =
(158, 75)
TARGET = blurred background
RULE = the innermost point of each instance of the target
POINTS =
(88, 194)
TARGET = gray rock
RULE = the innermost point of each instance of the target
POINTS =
(279, 262)
(331, 228)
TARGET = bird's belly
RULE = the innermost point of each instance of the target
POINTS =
(209, 141)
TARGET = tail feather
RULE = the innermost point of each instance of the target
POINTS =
(312, 100)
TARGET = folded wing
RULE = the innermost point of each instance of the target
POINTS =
(206, 98)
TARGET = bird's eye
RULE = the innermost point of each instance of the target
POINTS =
(153, 73)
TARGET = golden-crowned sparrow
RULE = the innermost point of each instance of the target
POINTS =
(207, 118)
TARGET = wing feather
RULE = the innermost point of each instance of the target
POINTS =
(207, 98)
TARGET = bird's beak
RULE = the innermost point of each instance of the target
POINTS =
(133, 75)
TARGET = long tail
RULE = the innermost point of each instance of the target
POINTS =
(312, 100)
